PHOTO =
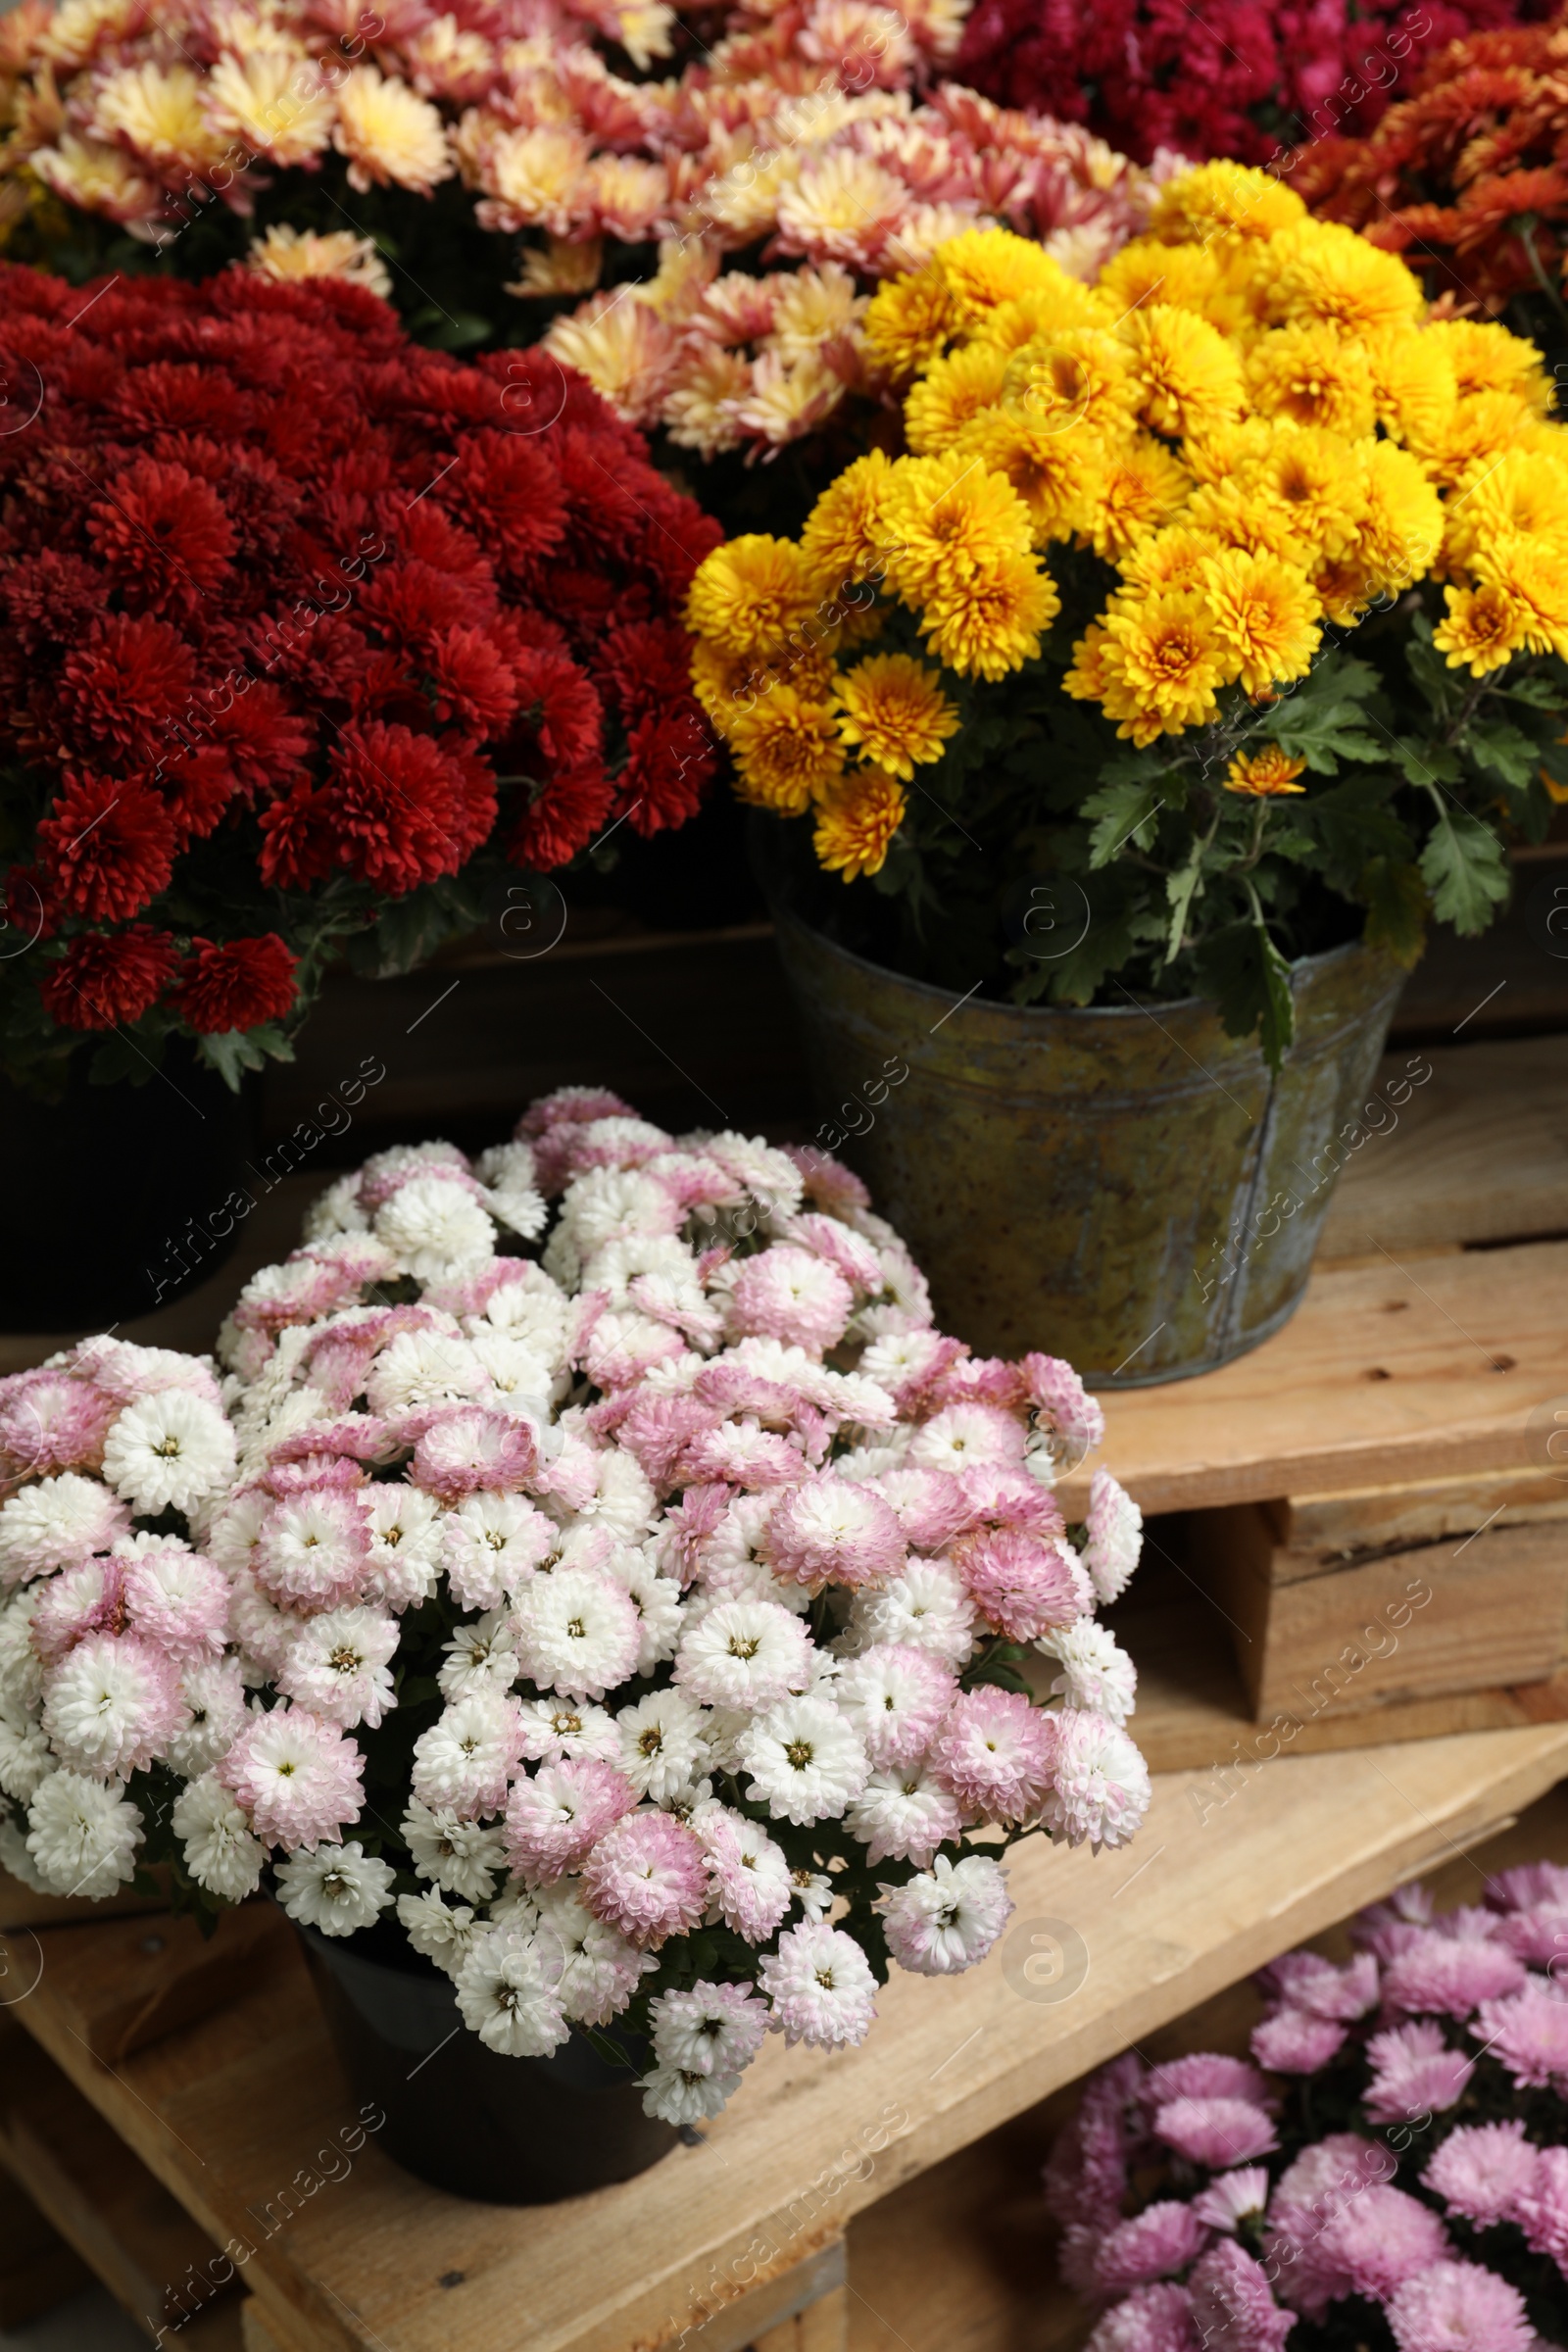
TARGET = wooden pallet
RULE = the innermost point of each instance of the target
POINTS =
(236, 2114)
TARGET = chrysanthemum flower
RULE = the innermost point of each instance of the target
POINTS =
(892, 708)
(857, 820)
(336, 1889)
(948, 1917)
(1264, 774)
(647, 1876)
(821, 1988)
(297, 1777)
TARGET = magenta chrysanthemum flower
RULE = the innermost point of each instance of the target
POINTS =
(1458, 2307)
(794, 1295)
(1541, 2209)
(1021, 1584)
(469, 1449)
(313, 1549)
(1215, 2132)
(820, 1986)
(1306, 1980)
(1233, 2304)
(1482, 2170)
(1292, 2042)
(1232, 2198)
(996, 1753)
(1529, 2032)
(1155, 2243)
(1381, 2237)
(554, 1819)
(827, 1530)
(297, 1777)
(1206, 2075)
(648, 1876)
(1100, 1789)
(1414, 2071)
(1151, 2319)
(1450, 1975)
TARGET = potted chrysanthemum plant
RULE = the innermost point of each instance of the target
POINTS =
(1118, 742)
(1392, 2174)
(635, 1632)
(310, 639)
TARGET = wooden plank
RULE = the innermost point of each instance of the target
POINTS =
(37, 2269)
(1318, 1532)
(152, 1976)
(822, 2326)
(1479, 1153)
(246, 2103)
(19, 1907)
(1385, 1375)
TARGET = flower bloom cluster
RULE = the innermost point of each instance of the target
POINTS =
(114, 1626)
(1246, 417)
(292, 605)
(1215, 81)
(1444, 2203)
(1465, 175)
(690, 1559)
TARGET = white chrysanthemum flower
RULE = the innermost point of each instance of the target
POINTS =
(168, 1451)
(904, 1817)
(1098, 1675)
(82, 1835)
(672, 2095)
(603, 1206)
(812, 1890)
(21, 1669)
(507, 1997)
(1101, 1782)
(507, 1172)
(336, 1211)
(623, 1500)
(746, 1654)
(405, 1555)
(949, 1917)
(600, 1970)
(461, 1857)
(481, 1656)
(805, 1759)
(445, 1937)
(13, 1856)
(262, 1629)
(616, 1265)
(769, 1175)
(213, 1695)
(520, 1380)
(660, 1746)
(926, 1606)
(733, 1567)
(339, 1665)
(436, 1229)
(578, 1632)
(425, 1367)
(531, 1308)
(658, 1601)
(220, 1852)
(110, 1705)
(56, 1523)
(491, 1544)
(337, 1890)
(1115, 1535)
(820, 1984)
(25, 1756)
(554, 1731)
(711, 2029)
(463, 1760)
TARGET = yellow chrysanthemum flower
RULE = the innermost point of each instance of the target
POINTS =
(843, 543)
(1402, 529)
(750, 594)
(1148, 270)
(1321, 271)
(1488, 359)
(1226, 451)
(894, 709)
(1314, 478)
(1056, 475)
(1263, 775)
(1413, 383)
(1047, 311)
(909, 321)
(856, 822)
(1265, 618)
(1473, 432)
(1313, 377)
(1518, 493)
(1142, 489)
(1189, 379)
(989, 624)
(1163, 660)
(1176, 558)
(988, 267)
(948, 518)
(1484, 628)
(1220, 203)
(1534, 576)
(1081, 376)
(951, 392)
(787, 751)
(1345, 589)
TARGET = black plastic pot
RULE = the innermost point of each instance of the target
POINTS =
(118, 1199)
(505, 2130)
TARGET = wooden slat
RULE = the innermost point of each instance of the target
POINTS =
(1385, 1374)
(38, 2268)
(1223, 1878)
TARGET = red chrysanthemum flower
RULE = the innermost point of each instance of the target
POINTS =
(397, 807)
(562, 821)
(235, 985)
(106, 978)
(128, 687)
(670, 763)
(163, 535)
(107, 847)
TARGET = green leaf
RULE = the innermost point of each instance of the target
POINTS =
(233, 1051)
(1423, 762)
(1503, 750)
(1321, 719)
(1396, 901)
(1433, 677)
(1125, 811)
(1464, 869)
(1249, 978)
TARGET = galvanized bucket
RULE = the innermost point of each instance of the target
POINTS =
(1126, 1187)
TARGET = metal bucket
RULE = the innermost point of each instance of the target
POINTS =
(1126, 1187)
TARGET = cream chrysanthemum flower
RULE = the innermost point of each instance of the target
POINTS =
(389, 134)
(159, 113)
(273, 101)
(289, 254)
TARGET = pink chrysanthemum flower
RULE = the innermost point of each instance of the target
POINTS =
(1382, 2238)
(947, 1918)
(826, 1531)
(1450, 1975)
(748, 1872)
(1215, 2132)
(1086, 2173)
(554, 1819)
(176, 1600)
(1001, 1497)
(1541, 2209)
(792, 1294)
(1414, 2071)
(312, 1550)
(909, 1363)
(1100, 1782)
(840, 1246)
(821, 1985)
(1233, 2303)
(78, 1601)
(1459, 2307)
(1151, 2319)
(1022, 1584)
(1539, 1938)
(1115, 1535)
(111, 1704)
(50, 1422)
(1529, 2032)
(743, 1455)
(929, 1505)
(967, 1437)
(828, 1182)
(1482, 2170)
(1063, 1407)
(1294, 2042)
(1533, 1885)
(470, 1448)
(896, 1696)
(1306, 1980)
(648, 1876)
(1206, 2075)
(1233, 2198)
(1385, 1928)
(996, 1754)
(297, 1777)
(1155, 2243)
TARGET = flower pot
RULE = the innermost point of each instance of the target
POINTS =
(1126, 1187)
(114, 1200)
(460, 2116)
